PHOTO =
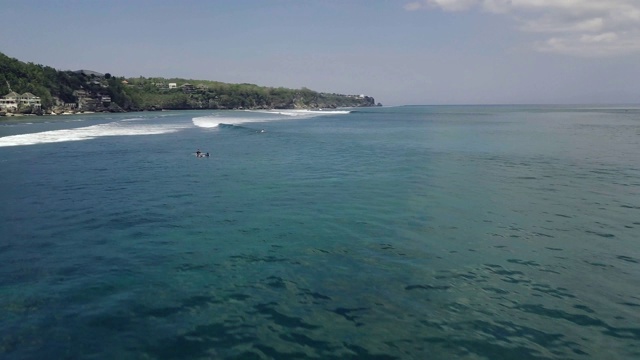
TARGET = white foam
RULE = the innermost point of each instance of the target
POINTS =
(212, 121)
(134, 119)
(309, 113)
(87, 133)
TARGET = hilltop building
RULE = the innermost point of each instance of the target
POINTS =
(188, 88)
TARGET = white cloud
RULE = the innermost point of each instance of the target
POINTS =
(446, 5)
(576, 27)
(600, 45)
(552, 25)
(600, 38)
(413, 6)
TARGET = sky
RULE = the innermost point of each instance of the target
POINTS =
(401, 52)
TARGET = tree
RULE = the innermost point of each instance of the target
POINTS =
(142, 93)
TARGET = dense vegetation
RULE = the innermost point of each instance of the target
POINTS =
(56, 87)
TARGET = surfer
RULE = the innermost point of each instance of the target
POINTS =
(198, 152)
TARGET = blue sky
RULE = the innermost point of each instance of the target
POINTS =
(398, 51)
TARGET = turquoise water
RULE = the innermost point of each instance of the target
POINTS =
(470, 232)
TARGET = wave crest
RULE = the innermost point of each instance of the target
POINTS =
(248, 116)
(87, 133)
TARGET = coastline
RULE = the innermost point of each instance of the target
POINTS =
(14, 116)
(68, 113)
(52, 114)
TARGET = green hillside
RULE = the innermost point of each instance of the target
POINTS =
(91, 91)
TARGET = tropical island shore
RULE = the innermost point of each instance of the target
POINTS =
(27, 88)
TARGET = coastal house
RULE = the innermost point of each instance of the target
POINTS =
(162, 85)
(12, 101)
(9, 102)
(188, 88)
(84, 99)
(88, 104)
(80, 94)
(28, 99)
(173, 85)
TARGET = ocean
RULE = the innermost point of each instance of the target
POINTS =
(412, 232)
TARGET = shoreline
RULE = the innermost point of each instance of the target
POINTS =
(13, 116)
(52, 114)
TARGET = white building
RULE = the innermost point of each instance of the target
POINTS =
(9, 101)
(29, 99)
(13, 100)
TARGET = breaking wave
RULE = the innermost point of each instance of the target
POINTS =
(118, 128)
(139, 126)
(251, 116)
(304, 113)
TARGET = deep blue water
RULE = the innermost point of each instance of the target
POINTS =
(469, 232)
